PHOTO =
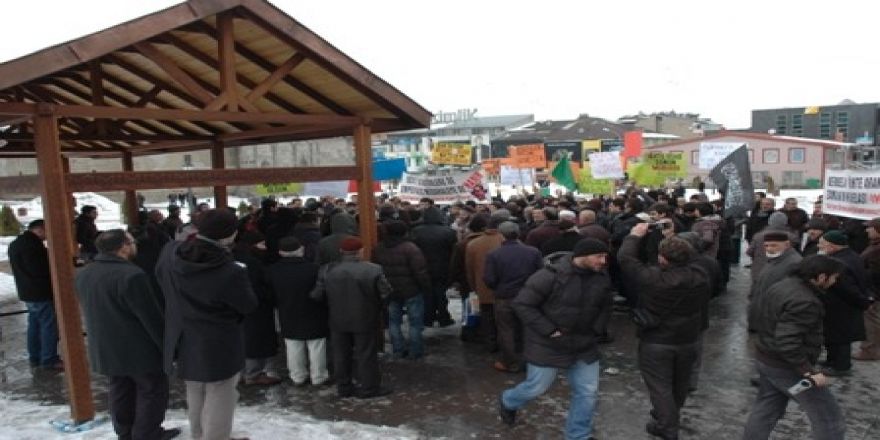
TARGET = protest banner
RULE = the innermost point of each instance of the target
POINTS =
(493, 166)
(713, 152)
(528, 156)
(334, 188)
(268, 189)
(588, 185)
(733, 178)
(451, 154)
(590, 147)
(554, 151)
(442, 186)
(655, 168)
(852, 193)
(606, 165)
(632, 144)
(515, 176)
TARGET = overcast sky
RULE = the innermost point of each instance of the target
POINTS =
(557, 58)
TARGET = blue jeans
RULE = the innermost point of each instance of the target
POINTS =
(415, 310)
(42, 333)
(584, 381)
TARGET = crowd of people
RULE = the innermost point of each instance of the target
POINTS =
(200, 299)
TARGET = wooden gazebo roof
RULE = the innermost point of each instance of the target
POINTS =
(205, 74)
(168, 81)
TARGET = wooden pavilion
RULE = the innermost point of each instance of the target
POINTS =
(201, 75)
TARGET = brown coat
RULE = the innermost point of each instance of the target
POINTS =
(475, 263)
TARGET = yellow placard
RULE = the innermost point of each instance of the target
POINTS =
(268, 189)
(589, 146)
(655, 168)
(588, 185)
(451, 154)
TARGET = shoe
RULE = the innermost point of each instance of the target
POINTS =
(323, 384)
(863, 355)
(372, 394)
(508, 416)
(652, 428)
(56, 367)
(168, 434)
(300, 384)
(263, 379)
(834, 372)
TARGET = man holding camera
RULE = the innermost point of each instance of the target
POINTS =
(788, 321)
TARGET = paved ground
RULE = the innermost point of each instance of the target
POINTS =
(452, 393)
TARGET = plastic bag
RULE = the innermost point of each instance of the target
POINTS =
(470, 312)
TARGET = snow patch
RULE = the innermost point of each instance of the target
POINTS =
(7, 289)
(28, 420)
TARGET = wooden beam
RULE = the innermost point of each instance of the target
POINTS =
(56, 212)
(226, 57)
(278, 131)
(110, 137)
(148, 97)
(366, 199)
(273, 78)
(121, 181)
(211, 62)
(198, 115)
(131, 202)
(218, 162)
(174, 71)
(96, 80)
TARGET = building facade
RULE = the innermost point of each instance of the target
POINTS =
(845, 122)
(682, 125)
(790, 161)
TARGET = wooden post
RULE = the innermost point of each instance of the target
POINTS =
(56, 213)
(218, 162)
(131, 202)
(366, 200)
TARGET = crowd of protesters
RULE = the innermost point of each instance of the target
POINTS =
(543, 275)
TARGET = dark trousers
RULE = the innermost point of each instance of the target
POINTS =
(137, 405)
(838, 356)
(487, 330)
(355, 356)
(509, 332)
(436, 304)
(666, 370)
(826, 419)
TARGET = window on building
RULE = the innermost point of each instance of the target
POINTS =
(759, 178)
(797, 155)
(833, 156)
(797, 125)
(771, 155)
(842, 125)
(695, 157)
(793, 178)
(825, 125)
(781, 124)
(751, 155)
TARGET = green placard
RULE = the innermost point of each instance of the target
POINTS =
(268, 189)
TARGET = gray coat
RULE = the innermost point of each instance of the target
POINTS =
(123, 317)
(775, 270)
(207, 295)
(355, 291)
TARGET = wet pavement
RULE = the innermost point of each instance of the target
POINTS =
(452, 392)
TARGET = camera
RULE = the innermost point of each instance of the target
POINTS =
(659, 226)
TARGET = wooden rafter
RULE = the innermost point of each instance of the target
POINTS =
(174, 71)
(277, 75)
(96, 81)
(226, 58)
(85, 96)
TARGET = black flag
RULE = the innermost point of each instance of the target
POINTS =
(733, 178)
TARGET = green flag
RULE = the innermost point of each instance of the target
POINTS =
(563, 175)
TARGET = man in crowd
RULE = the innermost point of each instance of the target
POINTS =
(563, 307)
(355, 291)
(172, 223)
(342, 226)
(86, 231)
(674, 292)
(564, 242)
(870, 349)
(759, 218)
(29, 261)
(124, 323)
(788, 320)
(844, 304)
(810, 244)
(207, 296)
(775, 224)
(475, 266)
(436, 240)
(546, 229)
(708, 226)
(781, 259)
(507, 269)
(797, 217)
(590, 228)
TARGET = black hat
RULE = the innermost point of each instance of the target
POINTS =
(289, 244)
(395, 228)
(589, 246)
(776, 236)
(216, 224)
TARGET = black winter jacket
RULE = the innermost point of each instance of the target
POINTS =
(436, 240)
(29, 260)
(355, 291)
(677, 294)
(844, 301)
(574, 301)
(404, 266)
(301, 317)
(788, 322)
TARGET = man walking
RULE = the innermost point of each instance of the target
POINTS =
(507, 269)
(86, 231)
(207, 295)
(788, 321)
(870, 349)
(29, 260)
(355, 291)
(563, 308)
(124, 323)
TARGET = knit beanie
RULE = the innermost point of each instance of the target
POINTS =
(777, 219)
(216, 224)
(836, 237)
(589, 246)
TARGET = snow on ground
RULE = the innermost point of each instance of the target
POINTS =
(7, 288)
(4, 245)
(28, 420)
